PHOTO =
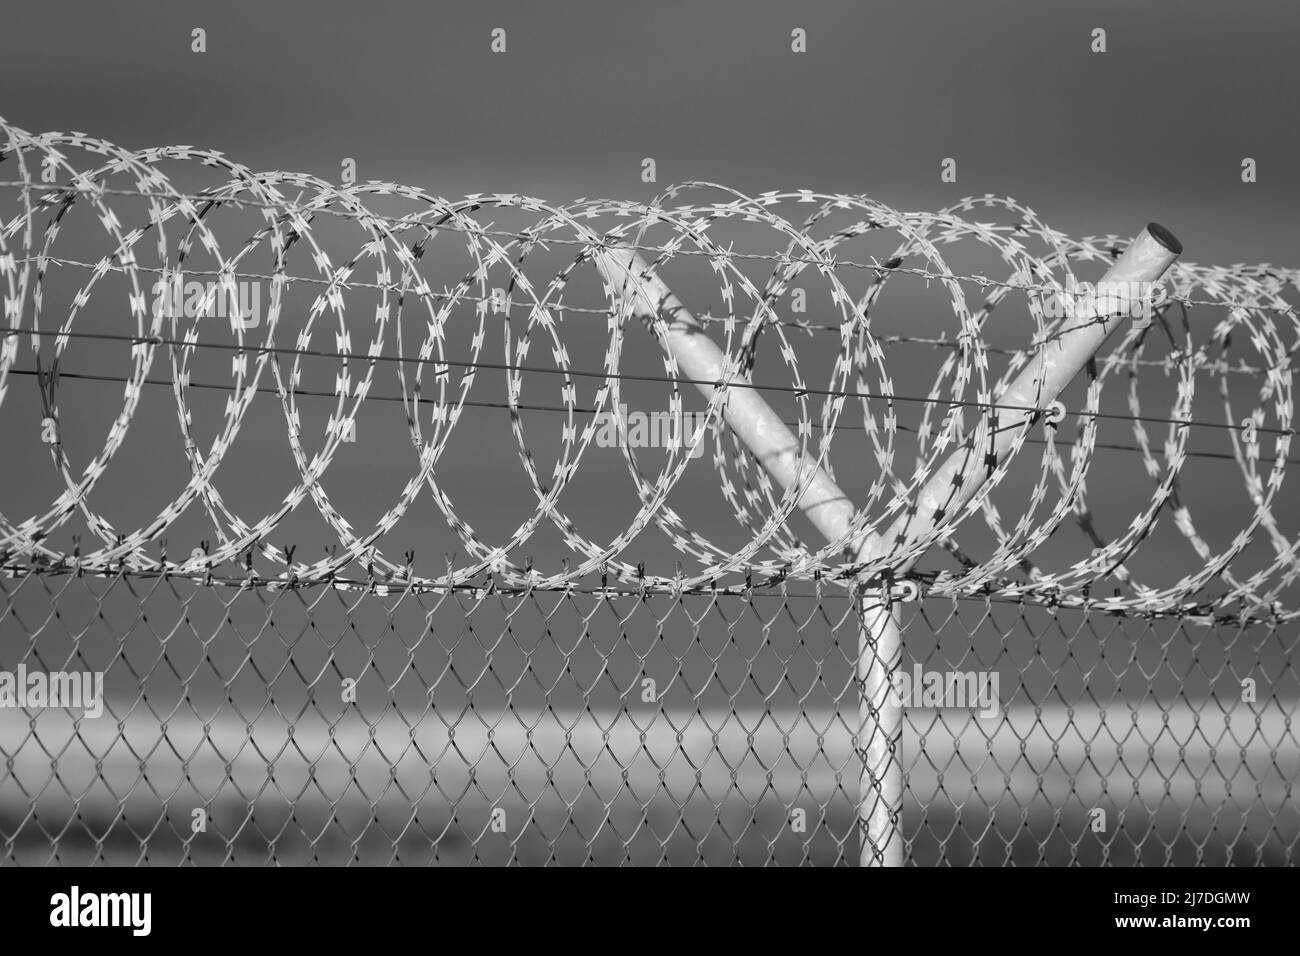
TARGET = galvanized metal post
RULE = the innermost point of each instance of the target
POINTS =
(956, 481)
(745, 410)
(1053, 367)
(880, 731)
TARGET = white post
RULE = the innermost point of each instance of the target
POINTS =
(880, 731)
(952, 486)
(880, 793)
(1046, 375)
(745, 411)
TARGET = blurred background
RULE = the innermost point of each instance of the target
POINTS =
(1155, 128)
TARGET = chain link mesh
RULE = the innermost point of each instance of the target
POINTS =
(228, 700)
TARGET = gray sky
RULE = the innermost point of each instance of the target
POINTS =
(1155, 128)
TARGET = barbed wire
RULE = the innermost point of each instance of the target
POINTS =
(1167, 363)
(63, 374)
(391, 586)
(54, 376)
(173, 233)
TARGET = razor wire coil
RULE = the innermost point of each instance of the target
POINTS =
(155, 228)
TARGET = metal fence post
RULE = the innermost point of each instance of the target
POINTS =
(745, 411)
(880, 730)
(879, 738)
(1043, 378)
(956, 481)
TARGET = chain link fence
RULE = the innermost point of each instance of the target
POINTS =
(325, 726)
(932, 577)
